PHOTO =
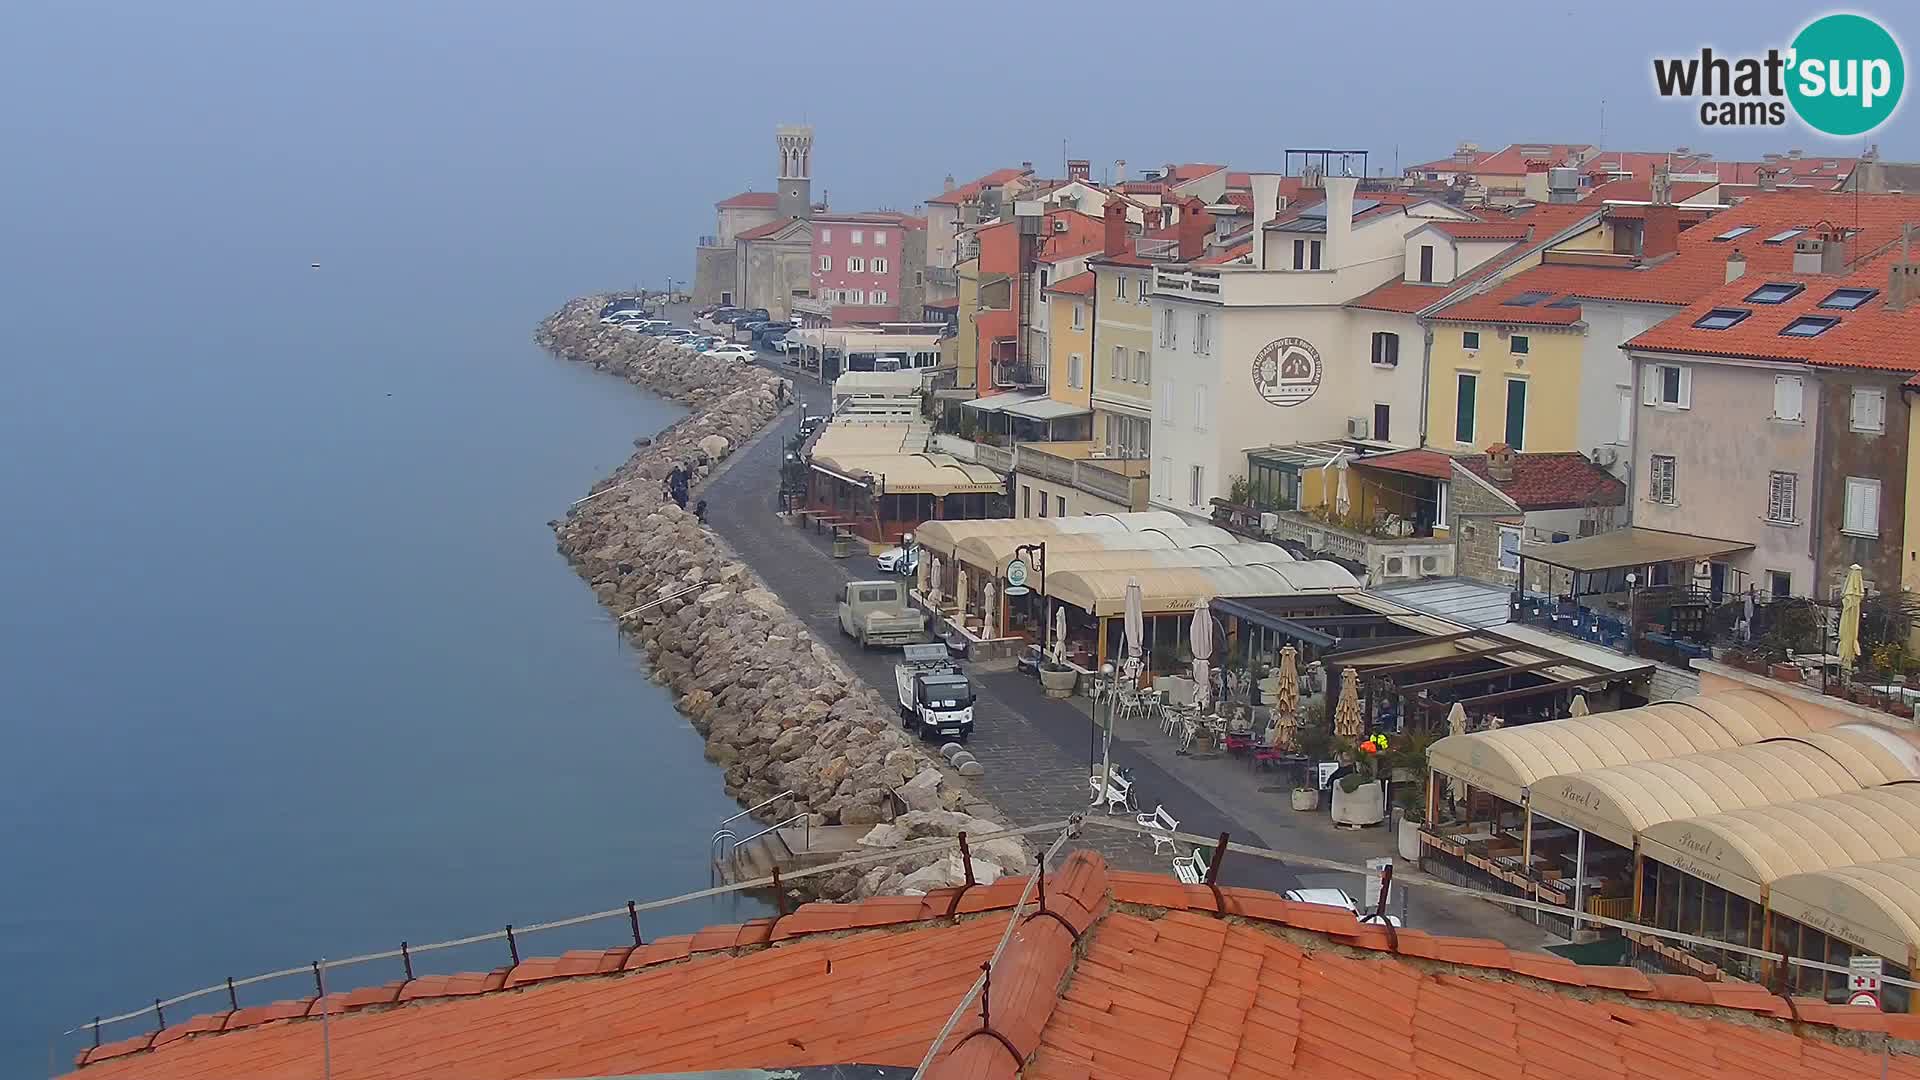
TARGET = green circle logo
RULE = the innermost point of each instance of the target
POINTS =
(1847, 75)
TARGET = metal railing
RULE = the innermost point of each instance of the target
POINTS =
(720, 849)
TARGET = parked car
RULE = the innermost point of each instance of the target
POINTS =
(1335, 898)
(702, 343)
(677, 333)
(732, 352)
(896, 560)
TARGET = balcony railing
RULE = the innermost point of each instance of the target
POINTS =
(1085, 474)
(709, 241)
(944, 276)
(1019, 373)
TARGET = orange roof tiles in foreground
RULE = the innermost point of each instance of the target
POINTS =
(1124, 975)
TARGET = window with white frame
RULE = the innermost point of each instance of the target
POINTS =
(879, 265)
(1119, 286)
(1667, 386)
(1143, 366)
(826, 262)
(1169, 328)
(1863, 507)
(1073, 371)
(1442, 500)
(1623, 424)
(856, 237)
(1386, 349)
(826, 236)
(1203, 334)
(1869, 413)
(1197, 482)
(856, 297)
(1510, 548)
(1200, 408)
(879, 238)
(1168, 412)
(878, 296)
(1145, 291)
(1783, 490)
(1163, 478)
(856, 265)
(1789, 398)
(1079, 317)
(1660, 480)
(1119, 372)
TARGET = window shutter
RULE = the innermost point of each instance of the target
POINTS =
(1686, 386)
(1859, 418)
(1650, 385)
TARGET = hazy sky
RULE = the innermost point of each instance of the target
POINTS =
(395, 100)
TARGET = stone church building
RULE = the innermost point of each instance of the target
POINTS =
(761, 250)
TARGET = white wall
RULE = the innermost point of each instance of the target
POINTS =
(1606, 377)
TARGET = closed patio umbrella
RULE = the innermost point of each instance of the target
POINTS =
(990, 623)
(1136, 627)
(933, 585)
(1457, 725)
(1200, 637)
(1060, 635)
(1579, 706)
(960, 592)
(1348, 722)
(1851, 596)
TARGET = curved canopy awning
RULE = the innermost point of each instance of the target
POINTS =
(1618, 803)
(1874, 907)
(913, 474)
(1508, 761)
(940, 537)
(1746, 851)
(1110, 551)
(1174, 589)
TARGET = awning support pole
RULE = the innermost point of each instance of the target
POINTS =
(1579, 878)
(1526, 852)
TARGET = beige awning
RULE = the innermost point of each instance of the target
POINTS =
(913, 474)
(1184, 547)
(1746, 851)
(1175, 589)
(1628, 548)
(1617, 803)
(1875, 907)
(1508, 761)
(941, 537)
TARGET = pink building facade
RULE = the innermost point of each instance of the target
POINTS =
(861, 265)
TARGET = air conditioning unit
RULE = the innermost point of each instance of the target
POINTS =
(1356, 427)
(1605, 456)
(1059, 225)
(1269, 523)
(1396, 566)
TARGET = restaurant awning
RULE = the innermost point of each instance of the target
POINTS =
(940, 537)
(1746, 851)
(913, 474)
(994, 403)
(1618, 803)
(1172, 589)
(1046, 409)
(1874, 907)
(1507, 761)
(1148, 547)
(1628, 547)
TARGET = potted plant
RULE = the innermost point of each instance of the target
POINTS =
(1358, 798)
(1057, 679)
(1313, 743)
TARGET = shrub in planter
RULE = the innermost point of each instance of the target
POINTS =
(1784, 672)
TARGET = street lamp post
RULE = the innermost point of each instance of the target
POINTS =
(1106, 745)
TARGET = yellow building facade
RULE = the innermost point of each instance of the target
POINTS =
(1518, 385)
(1070, 315)
(1121, 356)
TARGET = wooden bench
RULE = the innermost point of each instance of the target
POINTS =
(1191, 869)
(1160, 825)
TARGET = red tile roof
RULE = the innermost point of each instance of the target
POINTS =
(1238, 251)
(1124, 975)
(1428, 463)
(1239, 180)
(749, 200)
(1241, 199)
(1558, 481)
(1080, 284)
(1869, 336)
(1192, 170)
(1638, 190)
(1485, 230)
(1406, 297)
(1512, 160)
(874, 217)
(968, 190)
(763, 231)
(1544, 222)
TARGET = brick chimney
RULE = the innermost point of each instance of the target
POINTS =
(1903, 278)
(1117, 240)
(1195, 224)
(1079, 169)
(1153, 216)
(1660, 233)
(1535, 185)
(1736, 265)
(1500, 463)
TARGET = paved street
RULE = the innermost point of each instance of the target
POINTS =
(1038, 751)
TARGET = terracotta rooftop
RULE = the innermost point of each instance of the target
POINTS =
(1428, 463)
(1241, 199)
(1556, 481)
(874, 217)
(1239, 180)
(1238, 251)
(749, 200)
(1636, 189)
(968, 190)
(1542, 223)
(1485, 230)
(1512, 159)
(1080, 284)
(1867, 335)
(1405, 297)
(1124, 975)
(761, 232)
(1192, 170)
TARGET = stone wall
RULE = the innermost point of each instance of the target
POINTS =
(713, 274)
(778, 709)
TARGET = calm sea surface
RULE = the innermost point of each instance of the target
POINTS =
(289, 666)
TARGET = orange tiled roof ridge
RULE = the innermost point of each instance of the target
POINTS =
(1121, 975)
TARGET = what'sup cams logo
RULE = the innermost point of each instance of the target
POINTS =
(1842, 76)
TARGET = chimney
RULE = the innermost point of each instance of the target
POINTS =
(1903, 283)
(1500, 463)
(1026, 166)
(1195, 224)
(1767, 182)
(1660, 233)
(1823, 254)
(1152, 216)
(1662, 185)
(1266, 206)
(1340, 191)
(1534, 189)
(949, 186)
(1078, 169)
(1736, 265)
(1117, 239)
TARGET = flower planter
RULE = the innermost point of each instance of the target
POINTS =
(1306, 799)
(1365, 805)
(1410, 841)
(1784, 672)
(1058, 682)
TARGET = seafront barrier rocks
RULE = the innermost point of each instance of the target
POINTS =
(777, 708)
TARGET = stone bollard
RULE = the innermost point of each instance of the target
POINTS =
(950, 749)
(972, 769)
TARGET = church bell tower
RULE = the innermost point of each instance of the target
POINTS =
(796, 170)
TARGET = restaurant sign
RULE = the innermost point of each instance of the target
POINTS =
(1287, 371)
(1017, 578)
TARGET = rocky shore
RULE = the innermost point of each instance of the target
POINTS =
(778, 709)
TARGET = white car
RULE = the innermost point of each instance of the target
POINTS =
(731, 352)
(1334, 898)
(898, 561)
(676, 332)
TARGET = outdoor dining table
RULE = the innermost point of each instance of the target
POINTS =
(1471, 837)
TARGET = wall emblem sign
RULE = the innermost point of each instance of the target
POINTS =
(1287, 371)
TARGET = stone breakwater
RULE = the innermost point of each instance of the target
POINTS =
(777, 708)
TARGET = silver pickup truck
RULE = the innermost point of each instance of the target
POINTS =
(876, 613)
